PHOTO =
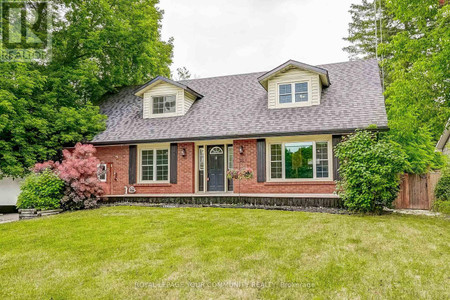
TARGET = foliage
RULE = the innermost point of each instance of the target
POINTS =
(442, 206)
(245, 173)
(416, 52)
(33, 122)
(419, 90)
(107, 44)
(79, 171)
(41, 191)
(369, 170)
(361, 31)
(97, 47)
(442, 189)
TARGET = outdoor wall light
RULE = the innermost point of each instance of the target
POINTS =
(183, 152)
(241, 149)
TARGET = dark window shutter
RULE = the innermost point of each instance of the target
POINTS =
(261, 160)
(336, 140)
(173, 162)
(132, 164)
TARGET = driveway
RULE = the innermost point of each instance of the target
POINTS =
(6, 218)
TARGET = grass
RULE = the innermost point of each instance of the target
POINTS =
(132, 252)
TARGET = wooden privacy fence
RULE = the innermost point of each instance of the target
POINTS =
(417, 191)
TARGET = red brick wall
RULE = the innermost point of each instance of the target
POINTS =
(117, 158)
(117, 175)
(251, 186)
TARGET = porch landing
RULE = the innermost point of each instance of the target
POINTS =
(327, 196)
(229, 199)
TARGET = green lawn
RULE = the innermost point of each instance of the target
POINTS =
(132, 252)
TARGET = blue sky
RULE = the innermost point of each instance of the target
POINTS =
(214, 38)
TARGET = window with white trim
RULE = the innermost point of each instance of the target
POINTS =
(101, 172)
(154, 164)
(164, 104)
(297, 92)
(201, 158)
(322, 160)
(230, 162)
(276, 161)
(299, 160)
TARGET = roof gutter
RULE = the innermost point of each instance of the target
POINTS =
(242, 136)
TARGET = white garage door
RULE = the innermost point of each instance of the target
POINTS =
(9, 190)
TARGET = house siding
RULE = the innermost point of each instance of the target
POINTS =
(117, 159)
(188, 101)
(163, 89)
(294, 75)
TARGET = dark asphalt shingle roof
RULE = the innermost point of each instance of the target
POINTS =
(236, 106)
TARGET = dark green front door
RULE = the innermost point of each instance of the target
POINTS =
(216, 169)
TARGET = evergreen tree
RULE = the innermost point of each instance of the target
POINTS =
(362, 30)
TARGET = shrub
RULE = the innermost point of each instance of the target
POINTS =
(41, 191)
(79, 171)
(442, 189)
(442, 206)
(370, 171)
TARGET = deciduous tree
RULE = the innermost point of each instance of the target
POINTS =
(98, 47)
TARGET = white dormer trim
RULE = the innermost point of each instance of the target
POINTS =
(293, 76)
(144, 88)
(163, 87)
(290, 64)
(292, 72)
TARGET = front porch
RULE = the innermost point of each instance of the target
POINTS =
(229, 199)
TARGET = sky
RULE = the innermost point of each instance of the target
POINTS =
(223, 37)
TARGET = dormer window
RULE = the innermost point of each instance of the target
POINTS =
(294, 84)
(163, 97)
(164, 104)
(300, 95)
(301, 92)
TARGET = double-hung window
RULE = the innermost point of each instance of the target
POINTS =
(154, 165)
(293, 93)
(164, 104)
(299, 160)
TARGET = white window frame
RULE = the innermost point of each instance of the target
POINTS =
(165, 114)
(205, 144)
(289, 140)
(230, 154)
(154, 148)
(293, 103)
(201, 163)
(106, 173)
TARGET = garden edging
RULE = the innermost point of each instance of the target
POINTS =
(25, 214)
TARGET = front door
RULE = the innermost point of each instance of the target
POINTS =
(216, 171)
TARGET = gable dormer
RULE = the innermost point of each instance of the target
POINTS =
(163, 98)
(294, 84)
